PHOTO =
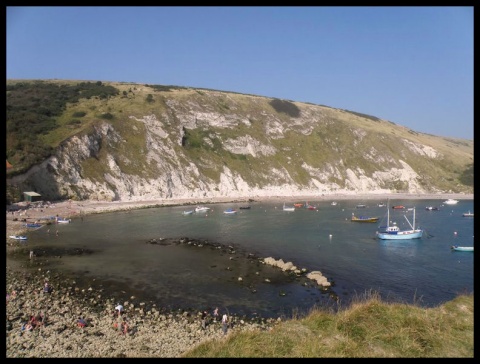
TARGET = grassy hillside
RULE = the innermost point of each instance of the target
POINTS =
(41, 115)
(369, 328)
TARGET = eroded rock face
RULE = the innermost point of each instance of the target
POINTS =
(145, 157)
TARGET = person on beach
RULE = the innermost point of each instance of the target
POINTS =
(204, 320)
(47, 288)
(27, 327)
(224, 324)
(119, 308)
(215, 314)
(34, 321)
(81, 322)
(125, 326)
(119, 323)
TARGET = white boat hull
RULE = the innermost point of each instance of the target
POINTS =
(462, 248)
(202, 209)
(401, 235)
(18, 237)
(450, 202)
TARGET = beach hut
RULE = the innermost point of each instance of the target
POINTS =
(32, 196)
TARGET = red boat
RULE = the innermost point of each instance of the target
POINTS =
(399, 207)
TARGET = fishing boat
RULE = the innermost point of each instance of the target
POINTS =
(230, 211)
(245, 207)
(202, 209)
(364, 218)
(298, 204)
(309, 207)
(431, 208)
(462, 248)
(288, 208)
(393, 232)
(398, 207)
(450, 201)
(467, 214)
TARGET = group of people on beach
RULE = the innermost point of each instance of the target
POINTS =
(35, 321)
(215, 314)
(120, 321)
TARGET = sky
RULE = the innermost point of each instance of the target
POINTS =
(412, 66)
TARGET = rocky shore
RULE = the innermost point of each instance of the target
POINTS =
(153, 332)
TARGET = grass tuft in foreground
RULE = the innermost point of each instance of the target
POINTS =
(368, 328)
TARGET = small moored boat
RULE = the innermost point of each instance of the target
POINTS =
(18, 237)
(33, 225)
(467, 214)
(189, 212)
(450, 201)
(462, 248)
(364, 218)
(230, 211)
(202, 209)
(288, 208)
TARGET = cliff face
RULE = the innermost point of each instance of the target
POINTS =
(201, 143)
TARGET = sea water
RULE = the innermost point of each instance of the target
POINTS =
(422, 271)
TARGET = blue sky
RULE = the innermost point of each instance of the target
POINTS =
(409, 65)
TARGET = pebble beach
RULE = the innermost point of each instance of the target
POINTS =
(152, 331)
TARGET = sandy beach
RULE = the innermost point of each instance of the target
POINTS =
(151, 333)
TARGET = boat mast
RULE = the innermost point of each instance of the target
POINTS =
(413, 218)
(388, 213)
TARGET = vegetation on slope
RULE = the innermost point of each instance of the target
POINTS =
(41, 115)
(369, 328)
(33, 110)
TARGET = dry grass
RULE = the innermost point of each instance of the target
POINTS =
(368, 328)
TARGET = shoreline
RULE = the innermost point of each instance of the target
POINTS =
(154, 332)
(71, 209)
